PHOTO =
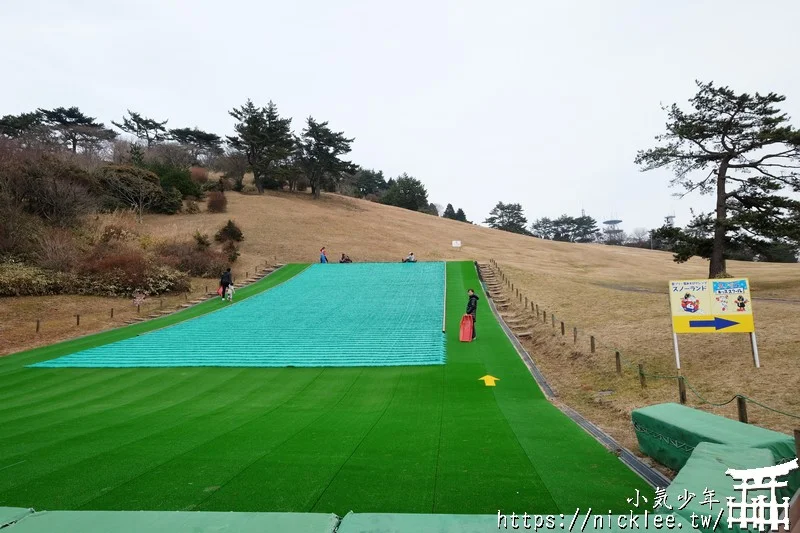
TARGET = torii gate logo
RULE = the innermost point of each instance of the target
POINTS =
(759, 512)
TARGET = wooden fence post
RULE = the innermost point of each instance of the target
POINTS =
(574, 335)
(591, 343)
(741, 403)
(553, 319)
(544, 316)
(531, 307)
(619, 362)
(526, 303)
(138, 309)
(37, 325)
(112, 312)
(562, 329)
(681, 390)
(77, 320)
(537, 310)
(641, 376)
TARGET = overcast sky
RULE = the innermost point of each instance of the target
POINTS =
(541, 103)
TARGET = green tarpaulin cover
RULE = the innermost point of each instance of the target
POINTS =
(705, 472)
(9, 515)
(668, 433)
(438, 523)
(174, 522)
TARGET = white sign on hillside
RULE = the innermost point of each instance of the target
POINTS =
(456, 244)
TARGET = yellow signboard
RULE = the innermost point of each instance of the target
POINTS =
(711, 306)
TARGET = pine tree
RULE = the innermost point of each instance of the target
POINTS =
(319, 154)
(145, 129)
(369, 182)
(265, 138)
(201, 144)
(449, 212)
(746, 154)
(508, 217)
(74, 129)
(408, 193)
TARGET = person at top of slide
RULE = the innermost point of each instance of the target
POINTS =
(410, 258)
(345, 259)
(323, 255)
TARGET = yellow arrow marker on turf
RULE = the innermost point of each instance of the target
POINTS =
(489, 380)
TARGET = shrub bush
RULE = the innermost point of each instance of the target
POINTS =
(202, 242)
(175, 176)
(231, 251)
(119, 261)
(132, 187)
(191, 207)
(57, 191)
(271, 183)
(229, 232)
(199, 175)
(170, 202)
(217, 203)
(228, 184)
(209, 186)
(26, 280)
(57, 250)
(18, 231)
(197, 263)
(122, 269)
(116, 232)
(17, 279)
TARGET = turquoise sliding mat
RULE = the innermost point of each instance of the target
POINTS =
(331, 315)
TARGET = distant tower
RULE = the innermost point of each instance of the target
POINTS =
(669, 220)
(612, 232)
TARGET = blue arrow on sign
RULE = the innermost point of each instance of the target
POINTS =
(718, 323)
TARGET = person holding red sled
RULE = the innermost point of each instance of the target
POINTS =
(469, 318)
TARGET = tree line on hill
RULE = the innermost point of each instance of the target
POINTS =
(696, 239)
(263, 143)
(59, 166)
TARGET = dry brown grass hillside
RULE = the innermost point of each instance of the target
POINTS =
(617, 294)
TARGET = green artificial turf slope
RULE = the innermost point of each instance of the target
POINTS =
(396, 439)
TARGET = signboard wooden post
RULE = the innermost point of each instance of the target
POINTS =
(712, 306)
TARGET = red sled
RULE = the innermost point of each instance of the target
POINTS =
(219, 291)
(465, 334)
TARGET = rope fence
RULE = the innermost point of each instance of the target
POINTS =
(544, 317)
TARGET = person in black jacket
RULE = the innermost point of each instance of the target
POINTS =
(225, 281)
(472, 309)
